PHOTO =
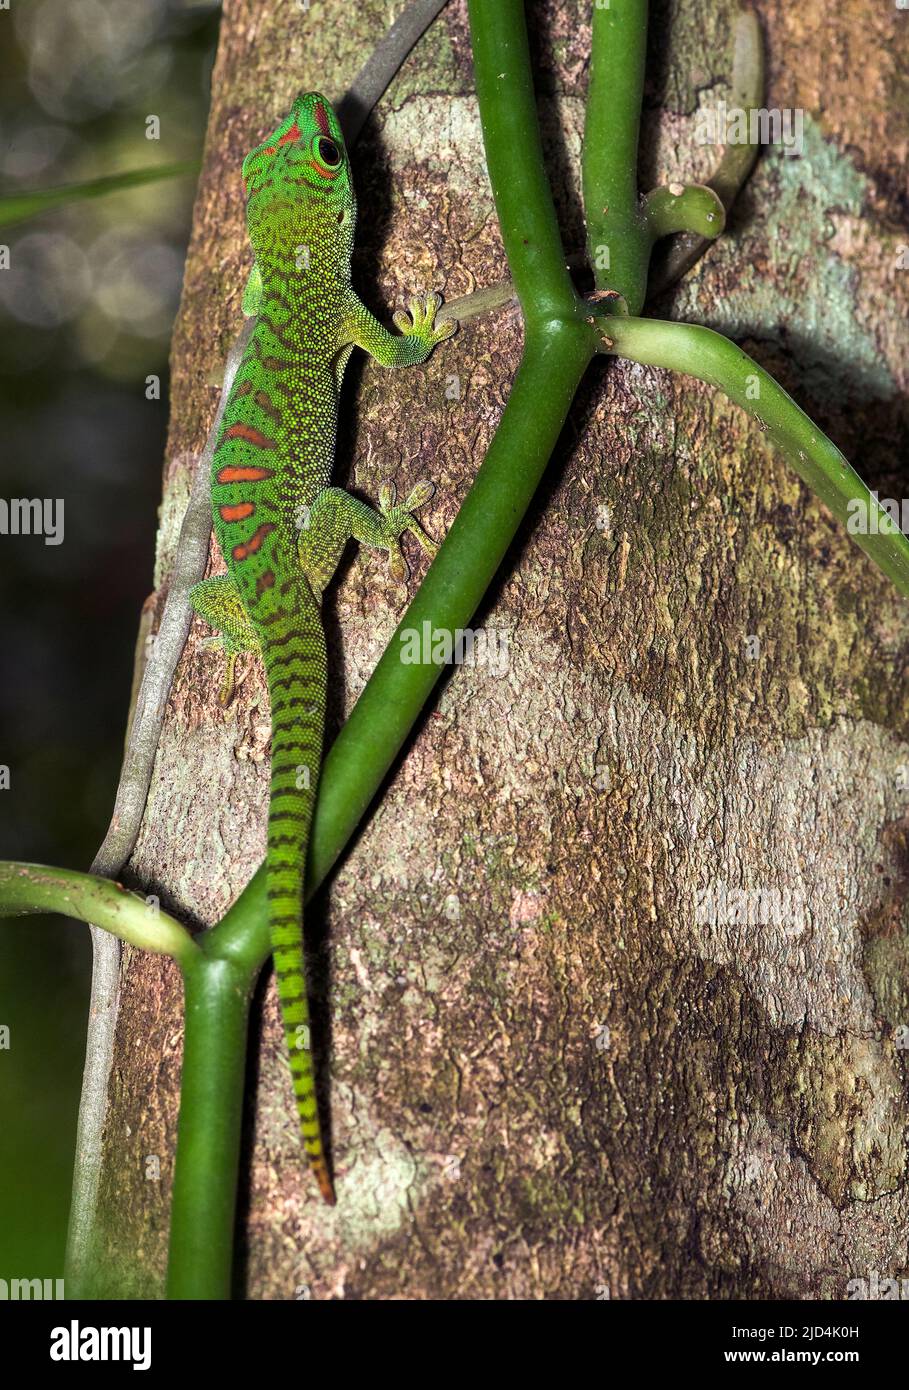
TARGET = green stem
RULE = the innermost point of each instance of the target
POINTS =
(693, 208)
(737, 160)
(514, 157)
(702, 353)
(30, 888)
(217, 994)
(748, 79)
(617, 239)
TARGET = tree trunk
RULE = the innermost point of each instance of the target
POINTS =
(569, 1056)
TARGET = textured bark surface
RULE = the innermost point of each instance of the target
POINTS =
(547, 1077)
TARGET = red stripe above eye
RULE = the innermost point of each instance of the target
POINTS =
(321, 116)
(288, 138)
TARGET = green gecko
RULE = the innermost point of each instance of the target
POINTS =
(280, 524)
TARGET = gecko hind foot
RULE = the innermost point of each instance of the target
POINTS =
(218, 602)
(228, 685)
(401, 519)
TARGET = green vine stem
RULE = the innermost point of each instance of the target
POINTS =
(33, 888)
(747, 94)
(695, 208)
(726, 181)
(514, 159)
(217, 992)
(618, 243)
(709, 356)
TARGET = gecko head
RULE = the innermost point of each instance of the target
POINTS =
(298, 183)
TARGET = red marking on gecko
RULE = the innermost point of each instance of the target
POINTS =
(321, 116)
(251, 435)
(288, 138)
(233, 474)
(320, 169)
(237, 512)
(250, 547)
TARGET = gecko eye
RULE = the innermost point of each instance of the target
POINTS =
(328, 152)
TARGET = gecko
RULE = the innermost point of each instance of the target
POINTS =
(280, 524)
(154, 674)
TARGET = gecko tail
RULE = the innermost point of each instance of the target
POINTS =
(295, 664)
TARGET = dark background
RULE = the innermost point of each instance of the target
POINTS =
(86, 309)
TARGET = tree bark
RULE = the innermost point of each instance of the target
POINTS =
(561, 1064)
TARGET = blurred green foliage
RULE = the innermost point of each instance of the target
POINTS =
(18, 207)
(86, 308)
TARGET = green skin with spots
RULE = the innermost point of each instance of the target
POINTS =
(280, 524)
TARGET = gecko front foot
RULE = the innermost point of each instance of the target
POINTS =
(401, 519)
(420, 321)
